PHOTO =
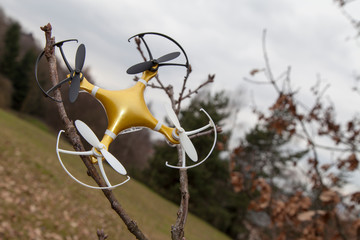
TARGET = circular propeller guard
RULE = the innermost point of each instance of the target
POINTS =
(75, 75)
(154, 64)
(185, 142)
(100, 153)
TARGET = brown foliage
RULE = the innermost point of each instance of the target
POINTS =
(295, 215)
(329, 196)
(237, 181)
(284, 113)
(264, 189)
(351, 163)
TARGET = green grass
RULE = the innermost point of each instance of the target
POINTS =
(39, 201)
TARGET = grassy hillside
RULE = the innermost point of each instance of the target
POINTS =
(39, 201)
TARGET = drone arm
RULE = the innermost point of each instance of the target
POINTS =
(87, 86)
(168, 133)
(148, 75)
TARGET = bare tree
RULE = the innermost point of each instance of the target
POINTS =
(321, 210)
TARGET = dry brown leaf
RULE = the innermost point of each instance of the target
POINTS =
(353, 162)
(265, 191)
(306, 216)
(329, 196)
(325, 167)
(305, 203)
(355, 197)
(237, 181)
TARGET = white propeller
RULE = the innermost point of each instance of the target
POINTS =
(91, 138)
(185, 141)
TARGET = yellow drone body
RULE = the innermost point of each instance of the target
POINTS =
(126, 109)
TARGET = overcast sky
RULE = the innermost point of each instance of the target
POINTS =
(220, 37)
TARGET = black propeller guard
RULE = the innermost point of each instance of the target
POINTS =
(76, 75)
(154, 64)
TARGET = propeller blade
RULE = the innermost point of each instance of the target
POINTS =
(87, 133)
(91, 138)
(140, 67)
(114, 163)
(188, 146)
(80, 58)
(168, 57)
(185, 141)
(172, 115)
(74, 88)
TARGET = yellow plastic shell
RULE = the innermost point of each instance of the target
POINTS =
(127, 108)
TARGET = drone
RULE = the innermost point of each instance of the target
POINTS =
(125, 110)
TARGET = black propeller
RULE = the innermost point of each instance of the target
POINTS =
(47, 93)
(76, 75)
(148, 65)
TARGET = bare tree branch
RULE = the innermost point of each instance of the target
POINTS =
(75, 139)
(177, 230)
(268, 71)
(196, 91)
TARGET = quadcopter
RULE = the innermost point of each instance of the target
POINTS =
(126, 111)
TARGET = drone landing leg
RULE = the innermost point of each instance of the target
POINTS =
(183, 158)
(99, 159)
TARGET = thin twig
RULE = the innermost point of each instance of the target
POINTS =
(196, 91)
(101, 234)
(138, 43)
(178, 102)
(268, 71)
(152, 85)
(255, 82)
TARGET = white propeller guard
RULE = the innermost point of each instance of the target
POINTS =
(211, 124)
(87, 153)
